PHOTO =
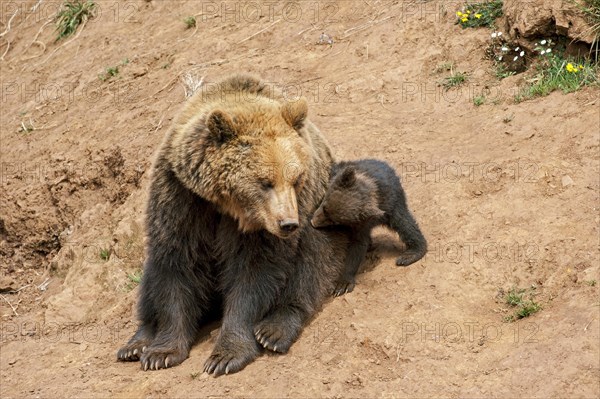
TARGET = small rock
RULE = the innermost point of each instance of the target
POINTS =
(567, 181)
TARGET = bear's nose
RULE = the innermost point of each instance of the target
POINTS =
(288, 225)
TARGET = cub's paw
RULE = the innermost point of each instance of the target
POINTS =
(230, 357)
(276, 334)
(132, 351)
(408, 258)
(343, 286)
(155, 357)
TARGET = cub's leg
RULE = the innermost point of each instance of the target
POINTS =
(357, 250)
(405, 225)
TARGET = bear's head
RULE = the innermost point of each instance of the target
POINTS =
(351, 199)
(253, 160)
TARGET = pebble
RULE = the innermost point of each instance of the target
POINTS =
(567, 181)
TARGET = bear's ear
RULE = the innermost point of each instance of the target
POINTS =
(295, 113)
(220, 125)
(374, 211)
(348, 177)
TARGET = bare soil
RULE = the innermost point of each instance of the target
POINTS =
(507, 195)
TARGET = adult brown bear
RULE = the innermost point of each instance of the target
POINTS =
(233, 188)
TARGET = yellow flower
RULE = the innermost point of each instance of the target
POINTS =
(468, 11)
(580, 66)
(459, 14)
(465, 19)
(571, 68)
(477, 16)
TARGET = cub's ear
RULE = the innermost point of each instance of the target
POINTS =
(348, 177)
(374, 211)
(221, 126)
(295, 113)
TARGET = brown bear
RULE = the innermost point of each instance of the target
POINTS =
(234, 184)
(364, 194)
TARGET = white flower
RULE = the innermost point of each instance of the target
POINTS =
(499, 33)
(548, 50)
(516, 58)
(517, 49)
(500, 58)
(521, 54)
(543, 42)
(535, 44)
(494, 34)
(504, 48)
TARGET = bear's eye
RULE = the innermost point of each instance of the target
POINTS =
(265, 184)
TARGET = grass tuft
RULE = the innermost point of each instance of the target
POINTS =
(134, 280)
(104, 254)
(455, 79)
(72, 14)
(524, 307)
(474, 15)
(190, 22)
(559, 73)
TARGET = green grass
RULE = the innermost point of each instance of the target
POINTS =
(112, 71)
(109, 73)
(190, 22)
(591, 283)
(134, 280)
(71, 15)
(455, 79)
(104, 254)
(514, 297)
(135, 277)
(474, 15)
(502, 72)
(444, 67)
(478, 100)
(527, 309)
(554, 74)
(523, 307)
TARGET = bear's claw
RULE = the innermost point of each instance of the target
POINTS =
(161, 358)
(275, 335)
(344, 286)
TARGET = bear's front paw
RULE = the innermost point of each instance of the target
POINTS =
(155, 357)
(230, 358)
(343, 286)
(276, 334)
(133, 350)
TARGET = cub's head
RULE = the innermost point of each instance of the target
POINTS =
(351, 199)
(253, 162)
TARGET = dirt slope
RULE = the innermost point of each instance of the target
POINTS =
(507, 195)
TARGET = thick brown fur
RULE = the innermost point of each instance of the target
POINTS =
(364, 194)
(234, 184)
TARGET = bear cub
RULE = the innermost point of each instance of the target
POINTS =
(364, 194)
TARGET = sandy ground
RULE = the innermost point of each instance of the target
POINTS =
(507, 195)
